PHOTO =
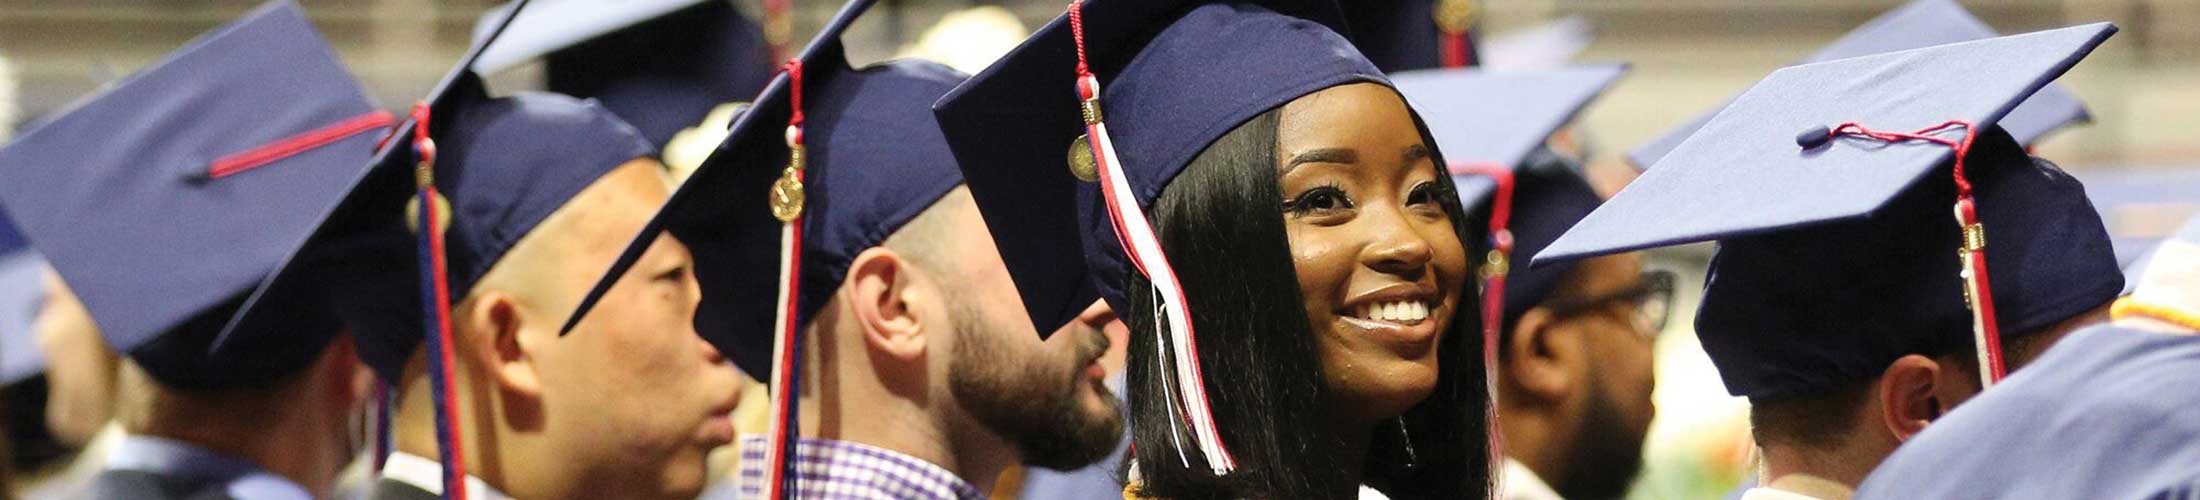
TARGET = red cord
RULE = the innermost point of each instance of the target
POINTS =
(286, 147)
(1088, 89)
(1455, 50)
(1966, 209)
(1077, 33)
(455, 460)
(783, 387)
(1493, 284)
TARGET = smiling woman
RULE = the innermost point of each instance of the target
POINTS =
(1331, 202)
(1269, 218)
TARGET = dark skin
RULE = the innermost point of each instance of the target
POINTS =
(1378, 264)
(1550, 362)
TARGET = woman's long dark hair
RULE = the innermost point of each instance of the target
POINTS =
(1222, 225)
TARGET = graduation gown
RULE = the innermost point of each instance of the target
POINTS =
(146, 467)
(2106, 413)
(134, 484)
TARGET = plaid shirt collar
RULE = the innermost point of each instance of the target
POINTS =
(842, 470)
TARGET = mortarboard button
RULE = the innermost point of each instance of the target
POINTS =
(1812, 138)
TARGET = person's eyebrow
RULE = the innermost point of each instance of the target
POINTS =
(1417, 152)
(1323, 155)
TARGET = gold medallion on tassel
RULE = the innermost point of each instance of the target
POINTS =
(787, 194)
(1081, 163)
(1453, 17)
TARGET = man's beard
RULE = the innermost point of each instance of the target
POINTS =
(1606, 454)
(1035, 407)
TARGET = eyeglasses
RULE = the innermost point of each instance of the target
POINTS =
(1651, 300)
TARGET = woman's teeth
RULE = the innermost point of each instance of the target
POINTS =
(1406, 312)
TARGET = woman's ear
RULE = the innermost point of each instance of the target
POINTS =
(1536, 360)
(492, 326)
(1909, 395)
(877, 290)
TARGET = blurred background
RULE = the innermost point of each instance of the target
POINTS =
(1688, 56)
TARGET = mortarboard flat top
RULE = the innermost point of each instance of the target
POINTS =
(1167, 92)
(179, 202)
(1922, 23)
(1745, 174)
(1835, 259)
(874, 158)
(1499, 118)
(552, 25)
(660, 64)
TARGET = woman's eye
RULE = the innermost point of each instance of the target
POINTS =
(1425, 193)
(1321, 199)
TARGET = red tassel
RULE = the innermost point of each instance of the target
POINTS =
(1494, 269)
(1143, 248)
(787, 206)
(1978, 291)
(449, 439)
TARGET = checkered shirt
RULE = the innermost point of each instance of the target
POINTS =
(839, 470)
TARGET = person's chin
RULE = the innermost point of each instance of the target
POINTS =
(1390, 386)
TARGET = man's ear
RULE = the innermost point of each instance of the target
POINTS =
(492, 324)
(1909, 395)
(877, 291)
(1536, 359)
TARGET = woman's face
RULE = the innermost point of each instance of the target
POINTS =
(1377, 261)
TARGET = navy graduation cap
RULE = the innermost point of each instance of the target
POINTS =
(1835, 231)
(183, 203)
(1177, 75)
(659, 64)
(1921, 23)
(481, 172)
(1403, 35)
(828, 162)
(1488, 123)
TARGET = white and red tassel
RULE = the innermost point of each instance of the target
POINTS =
(1977, 288)
(1143, 247)
(786, 203)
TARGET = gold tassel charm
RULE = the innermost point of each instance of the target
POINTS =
(787, 197)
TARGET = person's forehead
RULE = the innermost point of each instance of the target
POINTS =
(1607, 274)
(604, 216)
(1369, 120)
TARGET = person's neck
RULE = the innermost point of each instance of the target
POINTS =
(494, 453)
(877, 417)
(1817, 473)
(1532, 436)
(270, 430)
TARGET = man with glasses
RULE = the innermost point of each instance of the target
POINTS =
(1573, 373)
(1574, 355)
